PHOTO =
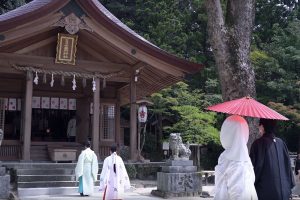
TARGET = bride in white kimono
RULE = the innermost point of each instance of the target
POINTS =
(86, 170)
(234, 174)
(114, 179)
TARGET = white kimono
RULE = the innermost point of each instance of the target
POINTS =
(114, 183)
(234, 174)
(87, 167)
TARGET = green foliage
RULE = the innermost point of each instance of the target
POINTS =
(7, 5)
(269, 13)
(185, 107)
(209, 159)
(176, 26)
(179, 27)
(278, 66)
(150, 150)
(172, 25)
(289, 130)
(130, 168)
(147, 171)
(196, 126)
(292, 112)
(124, 152)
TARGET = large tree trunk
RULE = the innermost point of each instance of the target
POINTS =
(230, 39)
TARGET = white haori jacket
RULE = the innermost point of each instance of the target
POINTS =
(234, 174)
(115, 183)
(87, 167)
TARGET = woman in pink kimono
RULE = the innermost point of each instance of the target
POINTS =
(114, 179)
(234, 174)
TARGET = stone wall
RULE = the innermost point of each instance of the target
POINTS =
(4, 183)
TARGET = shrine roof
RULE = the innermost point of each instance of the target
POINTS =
(94, 9)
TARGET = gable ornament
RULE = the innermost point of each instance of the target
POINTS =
(72, 24)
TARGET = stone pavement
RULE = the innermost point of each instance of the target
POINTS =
(138, 193)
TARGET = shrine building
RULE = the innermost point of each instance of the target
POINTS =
(73, 59)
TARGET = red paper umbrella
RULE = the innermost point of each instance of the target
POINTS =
(247, 106)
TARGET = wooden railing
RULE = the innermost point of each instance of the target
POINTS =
(104, 151)
(10, 150)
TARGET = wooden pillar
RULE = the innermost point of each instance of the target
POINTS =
(118, 120)
(83, 129)
(96, 118)
(27, 117)
(133, 120)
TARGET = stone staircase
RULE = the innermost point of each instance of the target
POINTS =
(39, 153)
(46, 178)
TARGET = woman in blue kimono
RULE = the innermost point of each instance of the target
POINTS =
(86, 170)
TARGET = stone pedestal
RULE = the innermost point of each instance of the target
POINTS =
(57, 154)
(4, 183)
(179, 178)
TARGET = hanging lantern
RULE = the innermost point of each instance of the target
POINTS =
(52, 81)
(94, 85)
(142, 114)
(36, 79)
(74, 83)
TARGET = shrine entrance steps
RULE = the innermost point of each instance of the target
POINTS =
(45, 178)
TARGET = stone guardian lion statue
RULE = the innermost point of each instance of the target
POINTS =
(179, 150)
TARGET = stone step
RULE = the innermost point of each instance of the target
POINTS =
(31, 192)
(45, 184)
(58, 171)
(48, 176)
(40, 165)
(49, 184)
(43, 165)
(45, 171)
(34, 178)
(39, 153)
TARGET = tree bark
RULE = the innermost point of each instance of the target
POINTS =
(230, 39)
